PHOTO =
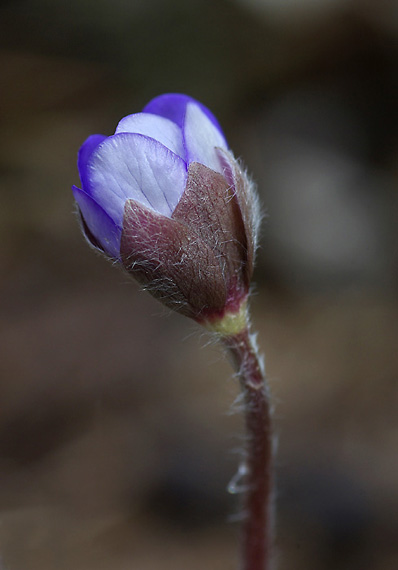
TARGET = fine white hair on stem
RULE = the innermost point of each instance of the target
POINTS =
(238, 405)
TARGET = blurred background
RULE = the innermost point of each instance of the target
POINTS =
(117, 440)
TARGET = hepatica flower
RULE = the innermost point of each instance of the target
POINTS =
(166, 199)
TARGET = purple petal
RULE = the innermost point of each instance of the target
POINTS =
(202, 138)
(100, 224)
(173, 106)
(159, 128)
(131, 166)
(85, 152)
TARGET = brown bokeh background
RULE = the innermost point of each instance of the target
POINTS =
(117, 439)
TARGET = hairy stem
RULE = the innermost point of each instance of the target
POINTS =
(257, 531)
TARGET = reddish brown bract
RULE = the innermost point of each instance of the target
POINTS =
(199, 261)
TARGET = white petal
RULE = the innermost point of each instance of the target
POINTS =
(156, 127)
(201, 138)
(133, 166)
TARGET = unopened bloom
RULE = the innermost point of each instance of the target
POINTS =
(165, 198)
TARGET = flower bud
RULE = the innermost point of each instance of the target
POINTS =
(166, 199)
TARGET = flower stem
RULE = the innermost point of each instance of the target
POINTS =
(257, 526)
